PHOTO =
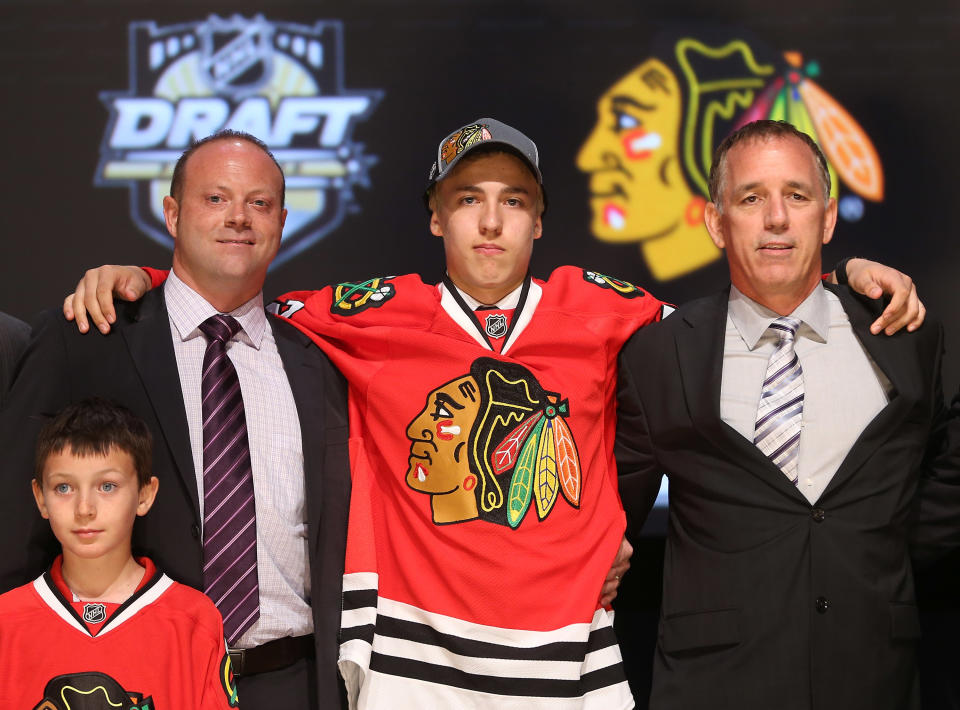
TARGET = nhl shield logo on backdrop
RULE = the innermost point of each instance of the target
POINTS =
(279, 81)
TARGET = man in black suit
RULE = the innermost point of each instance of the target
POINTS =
(787, 575)
(14, 335)
(226, 214)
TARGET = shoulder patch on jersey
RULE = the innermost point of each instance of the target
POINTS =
(286, 308)
(90, 690)
(624, 288)
(228, 682)
(490, 443)
(350, 298)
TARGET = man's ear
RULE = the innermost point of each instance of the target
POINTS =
(38, 496)
(714, 222)
(171, 212)
(829, 220)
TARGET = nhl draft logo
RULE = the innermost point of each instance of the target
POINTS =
(94, 613)
(281, 82)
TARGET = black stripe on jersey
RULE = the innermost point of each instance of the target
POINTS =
(555, 651)
(497, 685)
(359, 598)
(602, 678)
(601, 638)
(363, 633)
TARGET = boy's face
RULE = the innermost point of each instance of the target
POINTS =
(92, 501)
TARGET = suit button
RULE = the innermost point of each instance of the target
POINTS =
(818, 514)
(823, 604)
(195, 531)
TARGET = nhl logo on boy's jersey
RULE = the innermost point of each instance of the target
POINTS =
(495, 325)
(94, 613)
(279, 81)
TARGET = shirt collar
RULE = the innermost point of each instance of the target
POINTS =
(752, 319)
(188, 309)
(504, 304)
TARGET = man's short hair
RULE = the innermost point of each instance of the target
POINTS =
(482, 151)
(176, 182)
(764, 129)
(93, 427)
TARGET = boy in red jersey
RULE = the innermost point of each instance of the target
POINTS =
(101, 626)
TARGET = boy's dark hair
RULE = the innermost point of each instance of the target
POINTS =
(92, 427)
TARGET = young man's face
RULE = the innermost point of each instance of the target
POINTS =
(774, 221)
(487, 210)
(228, 221)
(91, 503)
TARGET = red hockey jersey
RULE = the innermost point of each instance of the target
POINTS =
(484, 515)
(162, 649)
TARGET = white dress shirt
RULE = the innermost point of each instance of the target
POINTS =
(843, 387)
(276, 453)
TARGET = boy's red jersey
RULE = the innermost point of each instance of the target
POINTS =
(163, 648)
(484, 513)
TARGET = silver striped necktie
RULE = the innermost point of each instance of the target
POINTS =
(780, 413)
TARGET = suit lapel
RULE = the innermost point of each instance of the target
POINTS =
(151, 351)
(887, 353)
(309, 396)
(700, 357)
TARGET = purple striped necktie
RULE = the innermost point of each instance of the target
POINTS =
(780, 413)
(229, 513)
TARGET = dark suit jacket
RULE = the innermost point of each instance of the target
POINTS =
(14, 335)
(769, 601)
(135, 366)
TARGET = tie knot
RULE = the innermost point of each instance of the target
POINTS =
(785, 327)
(220, 327)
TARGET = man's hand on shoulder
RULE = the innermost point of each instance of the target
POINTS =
(94, 295)
(875, 280)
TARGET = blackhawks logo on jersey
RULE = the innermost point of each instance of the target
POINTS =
(90, 691)
(491, 444)
(624, 288)
(350, 298)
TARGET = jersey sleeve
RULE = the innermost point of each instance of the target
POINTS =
(157, 276)
(219, 686)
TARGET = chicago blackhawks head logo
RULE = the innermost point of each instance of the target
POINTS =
(90, 691)
(649, 153)
(490, 443)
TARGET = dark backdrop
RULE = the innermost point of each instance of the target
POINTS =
(542, 67)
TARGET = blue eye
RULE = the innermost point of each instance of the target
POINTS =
(61, 488)
(625, 121)
(108, 487)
